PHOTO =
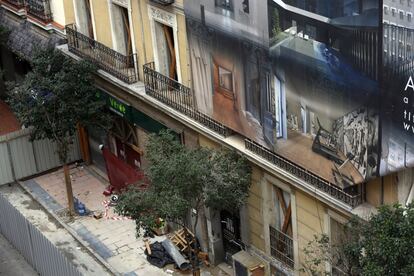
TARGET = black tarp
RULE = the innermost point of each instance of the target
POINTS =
(159, 257)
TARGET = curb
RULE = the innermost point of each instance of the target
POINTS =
(101, 261)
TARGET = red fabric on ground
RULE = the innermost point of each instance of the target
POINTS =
(8, 121)
(120, 174)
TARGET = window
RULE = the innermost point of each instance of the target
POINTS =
(225, 4)
(225, 79)
(121, 30)
(386, 9)
(401, 14)
(409, 16)
(280, 230)
(337, 238)
(393, 11)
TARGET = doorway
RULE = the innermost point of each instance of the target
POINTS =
(230, 227)
(124, 143)
(83, 13)
(279, 108)
(121, 30)
(165, 47)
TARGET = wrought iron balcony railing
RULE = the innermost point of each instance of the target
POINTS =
(305, 175)
(163, 2)
(16, 3)
(121, 66)
(281, 247)
(39, 9)
(179, 97)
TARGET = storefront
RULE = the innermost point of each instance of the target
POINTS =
(127, 137)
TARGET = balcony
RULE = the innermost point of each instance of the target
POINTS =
(121, 66)
(352, 199)
(163, 2)
(19, 4)
(178, 97)
(281, 247)
(40, 9)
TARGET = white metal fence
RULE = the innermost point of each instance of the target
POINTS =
(45, 258)
(20, 158)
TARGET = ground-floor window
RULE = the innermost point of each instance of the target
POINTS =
(280, 228)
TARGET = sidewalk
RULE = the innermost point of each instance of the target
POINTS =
(113, 241)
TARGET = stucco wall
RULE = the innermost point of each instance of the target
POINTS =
(102, 24)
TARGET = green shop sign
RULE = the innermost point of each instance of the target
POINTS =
(132, 115)
(116, 105)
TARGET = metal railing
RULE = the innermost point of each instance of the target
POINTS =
(39, 9)
(121, 66)
(37, 250)
(16, 3)
(305, 175)
(281, 247)
(179, 97)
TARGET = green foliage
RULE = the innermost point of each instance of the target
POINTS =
(383, 245)
(387, 242)
(55, 96)
(182, 178)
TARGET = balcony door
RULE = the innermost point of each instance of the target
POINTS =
(167, 61)
(121, 30)
(84, 19)
(165, 41)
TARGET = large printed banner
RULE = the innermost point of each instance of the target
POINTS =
(309, 80)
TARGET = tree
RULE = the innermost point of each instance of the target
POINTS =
(54, 98)
(183, 179)
(4, 37)
(383, 245)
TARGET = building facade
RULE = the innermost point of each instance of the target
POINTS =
(291, 85)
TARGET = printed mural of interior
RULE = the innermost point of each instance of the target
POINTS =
(300, 83)
(327, 90)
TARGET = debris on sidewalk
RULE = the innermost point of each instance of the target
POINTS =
(158, 256)
(175, 254)
(180, 240)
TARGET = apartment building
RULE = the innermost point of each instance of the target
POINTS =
(399, 13)
(291, 85)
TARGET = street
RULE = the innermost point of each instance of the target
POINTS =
(11, 262)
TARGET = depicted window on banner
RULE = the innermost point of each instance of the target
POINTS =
(397, 112)
(226, 5)
(327, 80)
(298, 77)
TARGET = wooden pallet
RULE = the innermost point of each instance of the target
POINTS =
(179, 239)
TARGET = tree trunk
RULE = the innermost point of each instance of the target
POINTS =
(69, 191)
(196, 266)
